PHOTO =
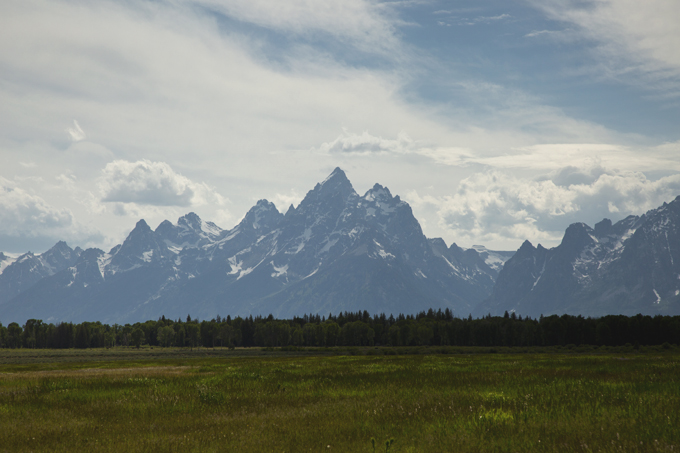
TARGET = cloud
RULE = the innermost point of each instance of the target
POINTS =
(368, 25)
(496, 207)
(475, 20)
(494, 18)
(24, 214)
(28, 219)
(151, 183)
(366, 143)
(569, 176)
(243, 92)
(542, 157)
(76, 132)
(633, 38)
(533, 34)
(554, 157)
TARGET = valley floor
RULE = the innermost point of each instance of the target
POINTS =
(318, 400)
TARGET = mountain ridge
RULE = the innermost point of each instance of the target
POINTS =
(341, 251)
(336, 251)
(630, 267)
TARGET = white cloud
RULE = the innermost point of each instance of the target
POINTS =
(634, 37)
(152, 183)
(548, 157)
(370, 145)
(76, 132)
(24, 214)
(26, 219)
(165, 87)
(533, 34)
(503, 210)
(473, 20)
(368, 25)
(366, 143)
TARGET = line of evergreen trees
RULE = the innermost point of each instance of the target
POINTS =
(350, 329)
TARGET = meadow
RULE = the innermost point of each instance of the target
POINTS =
(361, 400)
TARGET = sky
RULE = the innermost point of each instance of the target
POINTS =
(496, 121)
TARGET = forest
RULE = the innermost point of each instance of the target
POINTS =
(431, 328)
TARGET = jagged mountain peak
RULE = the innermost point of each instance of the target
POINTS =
(576, 236)
(264, 205)
(61, 245)
(141, 245)
(438, 243)
(262, 216)
(141, 227)
(526, 246)
(59, 254)
(603, 227)
(378, 192)
(336, 174)
(164, 227)
(336, 182)
(26, 256)
(191, 220)
(455, 248)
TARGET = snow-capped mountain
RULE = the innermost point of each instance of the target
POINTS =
(19, 274)
(629, 267)
(335, 251)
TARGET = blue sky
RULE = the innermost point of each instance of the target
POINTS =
(497, 121)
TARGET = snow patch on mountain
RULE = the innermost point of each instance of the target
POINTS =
(6, 259)
(304, 238)
(103, 262)
(235, 265)
(381, 251)
(279, 271)
(210, 229)
(385, 254)
(494, 259)
(74, 273)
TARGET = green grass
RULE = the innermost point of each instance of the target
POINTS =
(157, 400)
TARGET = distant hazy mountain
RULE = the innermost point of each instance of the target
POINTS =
(335, 251)
(17, 275)
(627, 268)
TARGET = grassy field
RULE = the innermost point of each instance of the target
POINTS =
(260, 400)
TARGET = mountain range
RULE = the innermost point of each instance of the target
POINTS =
(630, 267)
(341, 251)
(336, 251)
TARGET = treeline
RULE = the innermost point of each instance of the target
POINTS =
(433, 328)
